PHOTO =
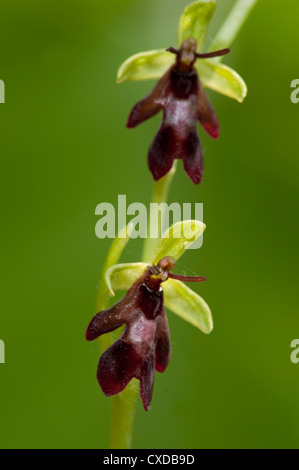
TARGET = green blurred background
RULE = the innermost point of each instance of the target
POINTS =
(65, 149)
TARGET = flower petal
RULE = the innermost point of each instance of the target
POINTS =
(122, 276)
(221, 78)
(107, 320)
(195, 20)
(177, 238)
(117, 367)
(207, 115)
(151, 104)
(188, 305)
(145, 66)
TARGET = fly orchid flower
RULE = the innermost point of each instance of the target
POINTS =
(144, 344)
(180, 92)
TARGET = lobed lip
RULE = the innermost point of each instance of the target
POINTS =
(143, 346)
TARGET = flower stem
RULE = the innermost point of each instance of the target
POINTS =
(122, 417)
(159, 196)
(232, 25)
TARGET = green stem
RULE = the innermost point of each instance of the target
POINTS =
(122, 417)
(160, 194)
(232, 25)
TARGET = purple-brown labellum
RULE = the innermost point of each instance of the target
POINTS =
(181, 97)
(144, 345)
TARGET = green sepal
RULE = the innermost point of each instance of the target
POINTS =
(145, 66)
(188, 305)
(195, 21)
(221, 78)
(123, 276)
(178, 238)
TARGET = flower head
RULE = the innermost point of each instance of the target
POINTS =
(144, 345)
(180, 92)
(181, 97)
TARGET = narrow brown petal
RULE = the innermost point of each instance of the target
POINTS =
(107, 320)
(187, 278)
(150, 105)
(206, 114)
(142, 111)
(208, 55)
